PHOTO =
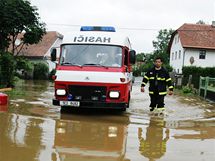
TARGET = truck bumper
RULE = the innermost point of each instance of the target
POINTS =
(91, 104)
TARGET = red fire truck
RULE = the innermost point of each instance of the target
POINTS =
(94, 69)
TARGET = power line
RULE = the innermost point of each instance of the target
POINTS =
(69, 25)
(121, 28)
(138, 29)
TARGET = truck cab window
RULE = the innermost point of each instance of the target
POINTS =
(97, 55)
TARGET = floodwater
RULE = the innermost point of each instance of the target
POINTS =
(32, 129)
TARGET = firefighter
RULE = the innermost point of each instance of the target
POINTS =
(158, 79)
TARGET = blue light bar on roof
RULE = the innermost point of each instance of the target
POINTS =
(98, 28)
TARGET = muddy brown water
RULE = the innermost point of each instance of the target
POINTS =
(32, 129)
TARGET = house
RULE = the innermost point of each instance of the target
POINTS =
(41, 51)
(192, 45)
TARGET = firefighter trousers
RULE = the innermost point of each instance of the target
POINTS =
(157, 100)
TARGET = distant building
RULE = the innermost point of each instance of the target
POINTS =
(192, 45)
(41, 51)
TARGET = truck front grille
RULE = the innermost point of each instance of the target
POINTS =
(88, 93)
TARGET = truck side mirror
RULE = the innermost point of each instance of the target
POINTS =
(53, 54)
(132, 56)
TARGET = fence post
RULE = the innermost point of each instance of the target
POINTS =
(190, 80)
(200, 85)
(206, 86)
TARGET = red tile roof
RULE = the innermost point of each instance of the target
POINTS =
(195, 36)
(40, 49)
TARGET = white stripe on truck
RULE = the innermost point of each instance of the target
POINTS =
(92, 77)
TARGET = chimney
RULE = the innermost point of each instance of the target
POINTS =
(213, 24)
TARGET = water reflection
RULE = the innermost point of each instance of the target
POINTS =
(20, 137)
(153, 145)
(97, 137)
(30, 94)
(3, 108)
(197, 130)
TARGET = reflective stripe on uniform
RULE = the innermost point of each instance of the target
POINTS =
(170, 87)
(168, 79)
(161, 108)
(143, 83)
(162, 79)
(151, 92)
(152, 78)
(146, 77)
(162, 93)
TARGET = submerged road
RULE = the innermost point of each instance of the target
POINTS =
(33, 129)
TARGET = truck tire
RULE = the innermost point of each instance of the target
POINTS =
(64, 109)
(128, 104)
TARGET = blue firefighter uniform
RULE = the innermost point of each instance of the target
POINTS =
(158, 81)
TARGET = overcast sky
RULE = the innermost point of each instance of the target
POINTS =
(146, 16)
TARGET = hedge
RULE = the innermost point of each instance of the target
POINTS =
(41, 71)
(196, 72)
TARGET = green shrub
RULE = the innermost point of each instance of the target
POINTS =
(23, 63)
(24, 68)
(146, 67)
(53, 72)
(186, 89)
(168, 67)
(41, 71)
(7, 68)
(136, 72)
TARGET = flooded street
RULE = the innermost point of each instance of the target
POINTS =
(33, 129)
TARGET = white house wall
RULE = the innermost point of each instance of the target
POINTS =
(175, 61)
(207, 62)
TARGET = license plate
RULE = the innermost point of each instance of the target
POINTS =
(70, 103)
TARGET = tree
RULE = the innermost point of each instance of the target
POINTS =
(140, 57)
(7, 66)
(18, 16)
(161, 44)
(200, 22)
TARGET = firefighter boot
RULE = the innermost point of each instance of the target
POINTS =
(159, 111)
(152, 109)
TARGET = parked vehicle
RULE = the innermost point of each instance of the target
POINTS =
(94, 69)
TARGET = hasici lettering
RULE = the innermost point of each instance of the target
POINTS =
(81, 38)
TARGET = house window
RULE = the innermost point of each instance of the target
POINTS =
(202, 54)
(179, 54)
(175, 55)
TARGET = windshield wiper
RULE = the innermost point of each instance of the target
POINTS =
(91, 64)
(72, 64)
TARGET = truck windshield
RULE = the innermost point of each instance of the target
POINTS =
(91, 55)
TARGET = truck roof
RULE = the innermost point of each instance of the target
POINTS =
(97, 37)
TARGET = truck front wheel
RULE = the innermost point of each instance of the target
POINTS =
(128, 104)
(64, 109)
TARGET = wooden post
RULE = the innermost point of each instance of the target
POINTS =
(206, 86)
(200, 85)
(190, 80)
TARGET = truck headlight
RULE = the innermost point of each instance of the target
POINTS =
(61, 92)
(114, 94)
